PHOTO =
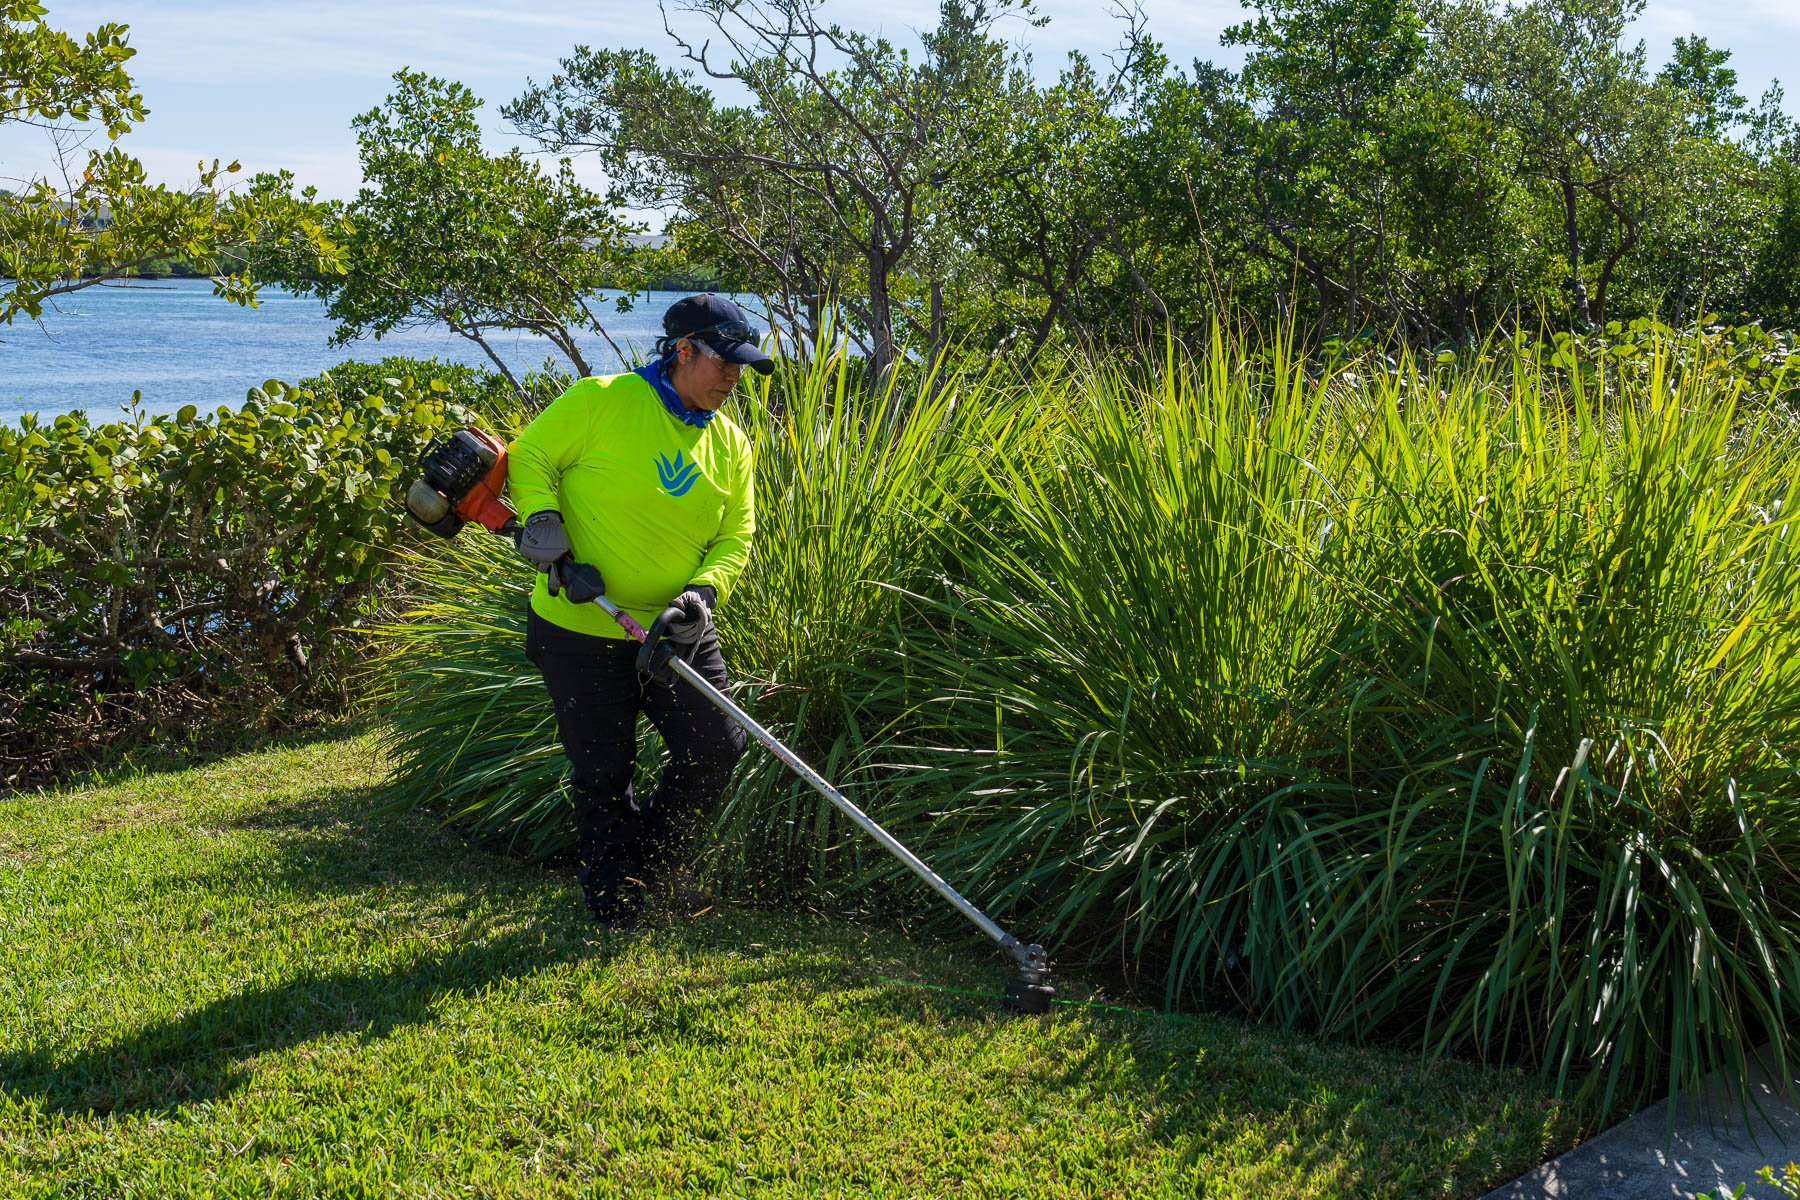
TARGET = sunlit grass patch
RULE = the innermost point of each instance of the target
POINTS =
(251, 984)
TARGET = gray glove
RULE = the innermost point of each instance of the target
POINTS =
(543, 541)
(696, 605)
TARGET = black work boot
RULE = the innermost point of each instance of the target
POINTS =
(614, 892)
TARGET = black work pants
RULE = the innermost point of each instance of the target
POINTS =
(598, 694)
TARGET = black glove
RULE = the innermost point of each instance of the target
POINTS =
(544, 542)
(695, 622)
(579, 582)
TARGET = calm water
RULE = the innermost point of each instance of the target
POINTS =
(180, 345)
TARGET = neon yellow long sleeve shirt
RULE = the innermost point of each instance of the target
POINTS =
(656, 504)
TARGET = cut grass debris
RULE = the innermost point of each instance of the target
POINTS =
(236, 980)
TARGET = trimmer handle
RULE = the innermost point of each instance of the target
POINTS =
(654, 654)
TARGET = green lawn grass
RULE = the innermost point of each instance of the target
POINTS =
(236, 980)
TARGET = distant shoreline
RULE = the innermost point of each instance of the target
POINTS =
(176, 342)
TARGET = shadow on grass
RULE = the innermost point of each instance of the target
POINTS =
(324, 843)
(126, 759)
(207, 1054)
(329, 855)
(1352, 1121)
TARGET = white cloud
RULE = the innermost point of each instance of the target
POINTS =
(1755, 18)
(1186, 30)
(334, 171)
(276, 83)
(188, 41)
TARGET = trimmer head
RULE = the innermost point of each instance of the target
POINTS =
(1026, 997)
(1027, 992)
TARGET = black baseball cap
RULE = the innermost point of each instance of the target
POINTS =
(722, 325)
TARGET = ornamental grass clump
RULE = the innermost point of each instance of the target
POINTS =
(1452, 706)
(854, 490)
(1138, 656)
(467, 718)
(1577, 688)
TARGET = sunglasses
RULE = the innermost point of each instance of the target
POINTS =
(707, 350)
(731, 331)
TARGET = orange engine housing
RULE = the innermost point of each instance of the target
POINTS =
(461, 478)
(481, 503)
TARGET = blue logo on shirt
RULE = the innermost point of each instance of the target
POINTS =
(677, 477)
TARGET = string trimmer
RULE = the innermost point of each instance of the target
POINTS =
(463, 476)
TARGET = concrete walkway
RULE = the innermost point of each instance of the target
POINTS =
(1635, 1160)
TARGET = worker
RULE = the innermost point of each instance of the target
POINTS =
(638, 486)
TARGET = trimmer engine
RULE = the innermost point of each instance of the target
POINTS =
(463, 475)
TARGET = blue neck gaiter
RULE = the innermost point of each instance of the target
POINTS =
(654, 374)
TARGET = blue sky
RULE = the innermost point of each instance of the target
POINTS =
(275, 84)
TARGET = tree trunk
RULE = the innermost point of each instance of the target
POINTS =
(1627, 239)
(881, 321)
(1041, 333)
(937, 321)
(565, 342)
(1577, 289)
(499, 363)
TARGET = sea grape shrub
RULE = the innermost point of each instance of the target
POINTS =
(1747, 357)
(1753, 359)
(488, 395)
(170, 574)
